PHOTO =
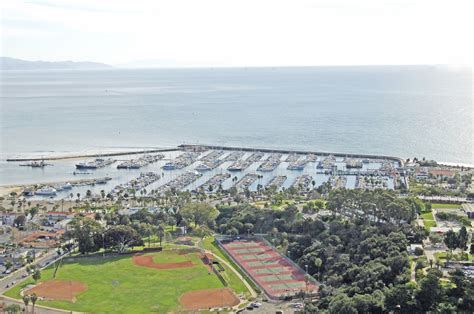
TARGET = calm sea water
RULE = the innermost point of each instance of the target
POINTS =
(423, 111)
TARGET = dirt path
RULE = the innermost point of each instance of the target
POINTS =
(223, 261)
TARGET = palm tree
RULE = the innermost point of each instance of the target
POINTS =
(33, 299)
(161, 231)
(26, 300)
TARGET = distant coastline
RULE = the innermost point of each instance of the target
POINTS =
(12, 64)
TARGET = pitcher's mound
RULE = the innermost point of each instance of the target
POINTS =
(58, 290)
(209, 298)
(147, 261)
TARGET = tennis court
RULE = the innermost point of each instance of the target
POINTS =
(272, 271)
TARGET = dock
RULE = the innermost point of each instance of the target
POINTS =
(276, 182)
(398, 160)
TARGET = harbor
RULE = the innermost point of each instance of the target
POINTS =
(276, 182)
(271, 163)
(211, 168)
(214, 183)
(140, 162)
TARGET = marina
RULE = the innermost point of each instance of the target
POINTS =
(246, 181)
(95, 164)
(276, 182)
(271, 163)
(353, 163)
(214, 183)
(292, 157)
(136, 184)
(302, 182)
(234, 156)
(327, 163)
(210, 164)
(183, 160)
(140, 162)
(337, 182)
(300, 164)
(210, 161)
(240, 165)
(212, 156)
(178, 183)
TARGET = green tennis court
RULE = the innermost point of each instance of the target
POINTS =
(254, 256)
(242, 244)
(251, 250)
(277, 277)
(272, 270)
(262, 263)
(288, 285)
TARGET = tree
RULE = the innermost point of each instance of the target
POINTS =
(37, 275)
(199, 213)
(26, 300)
(122, 237)
(451, 240)
(19, 221)
(12, 308)
(87, 233)
(8, 265)
(400, 298)
(33, 299)
(463, 238)
(342, 304)
(429, 292)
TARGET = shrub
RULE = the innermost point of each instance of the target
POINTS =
(419, 251)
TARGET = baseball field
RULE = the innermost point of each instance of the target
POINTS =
(172, 280)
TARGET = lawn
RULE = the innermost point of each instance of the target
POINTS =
(117, 285)
(445, 205)
(455, 257)
(427, 216)
(429, 223)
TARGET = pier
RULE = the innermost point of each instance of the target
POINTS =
(137, 152)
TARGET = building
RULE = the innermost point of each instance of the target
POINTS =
(468, 209)
(56, 216)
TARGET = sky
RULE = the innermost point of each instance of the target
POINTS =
(240, 32)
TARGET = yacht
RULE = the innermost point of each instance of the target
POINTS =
(169, 166)
(46, 191)
(203, 167)
(66, 186)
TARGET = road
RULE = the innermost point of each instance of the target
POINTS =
(17, 277)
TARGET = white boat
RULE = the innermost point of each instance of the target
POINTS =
(46, 191)
(66, 186)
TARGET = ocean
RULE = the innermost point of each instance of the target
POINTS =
(405, 111)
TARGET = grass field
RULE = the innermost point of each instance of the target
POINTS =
(445, 205)
(427, 216)
(429, 223)
(117, 285)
